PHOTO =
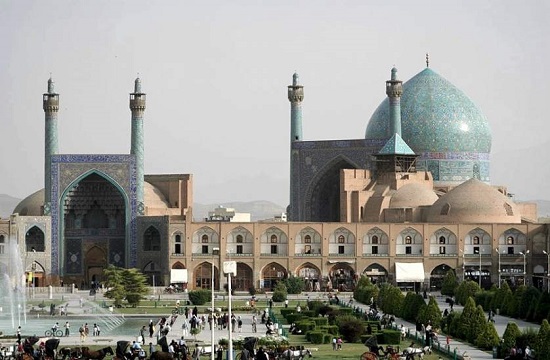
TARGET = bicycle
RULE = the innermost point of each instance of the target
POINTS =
(54, 333)
(178, 311)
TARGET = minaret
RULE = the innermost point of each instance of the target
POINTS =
(50, 104)
(394, 90)
(295, 96)
(137, 106)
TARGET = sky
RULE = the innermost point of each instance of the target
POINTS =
(216, 76)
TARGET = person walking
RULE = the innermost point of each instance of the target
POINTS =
(82, 334)
(67, 328)
(185, 328)
(196, 353)
(151, 328)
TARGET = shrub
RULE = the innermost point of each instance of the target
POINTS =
(316, 337)
(351, 329)
(252, 290)
(308, 313)
(509, 337)
(450, 283)
(286, 311)
(488, 338)
(280, 293)
(391, 337)
(320, 321)
(294, 284)
(305, 325)
(199, 297)
(330, 329)
(292, 318)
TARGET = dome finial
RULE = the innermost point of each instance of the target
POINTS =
(137, 85)
(50, 85)
(427, 60)
(295, 79)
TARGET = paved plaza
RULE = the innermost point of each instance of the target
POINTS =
(204, 337)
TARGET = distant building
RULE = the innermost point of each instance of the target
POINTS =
(227, 214)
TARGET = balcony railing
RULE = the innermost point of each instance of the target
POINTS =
(375, 255)
(341, 255)
(308, 255)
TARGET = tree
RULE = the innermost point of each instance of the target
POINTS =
(450, 283)
(487, 339)
(365, 290)
(542, 346)
(430, 313)
(525, 305)
(125, 284)
(294, 284)
(466, 320)
(351, 328)
(391, 299)
(413, 304)
(479, 324)
(465, 290)
(280, 292)
(500, 296)
(543, 307)
(509, 337)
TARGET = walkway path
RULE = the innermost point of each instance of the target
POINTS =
(204, 337)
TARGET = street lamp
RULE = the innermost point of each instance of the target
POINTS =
(499, 280)
(230, 267)
(524, 265)
(215, 252)
(547, 270)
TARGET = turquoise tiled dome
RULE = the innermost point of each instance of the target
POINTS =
(435, 117)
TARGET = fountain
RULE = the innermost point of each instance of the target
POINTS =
(15, 298)
(12, 287)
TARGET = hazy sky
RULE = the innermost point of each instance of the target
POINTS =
(216, 76)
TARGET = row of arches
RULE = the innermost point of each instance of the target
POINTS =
(340, 276)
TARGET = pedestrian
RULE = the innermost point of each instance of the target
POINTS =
(67, 327)
(254, 321)
(19, 334)
(94, 330)
(81, 302)
(98, 330)
(240, 324)
(82, 333)
(86, 330)
(151, 328)
(245, 354)
(339, 343)
(152, 348)
(196, 353)
(219, 353)
(334, 344)
(286, 303)
(185, 328)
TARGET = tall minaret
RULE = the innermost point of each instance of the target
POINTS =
(50, 104)
(295, 96)
(137, 106)
(394, 90)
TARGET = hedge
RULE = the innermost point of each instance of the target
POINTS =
(292, 318)
(199, 297)
(286, 311)
(392, 337)
(319, 321)
(317, 337)
(305, 325)
(330, 329)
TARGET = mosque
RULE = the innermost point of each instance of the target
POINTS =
(404, 204)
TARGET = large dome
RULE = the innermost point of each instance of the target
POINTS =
(435, 117)
(474, 202)
(412, 196)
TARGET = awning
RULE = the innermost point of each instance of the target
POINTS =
(409, 272)
(178, 276)
(352, 261)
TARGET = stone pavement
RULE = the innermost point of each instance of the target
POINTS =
(204, 337)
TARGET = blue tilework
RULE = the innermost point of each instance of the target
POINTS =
(69, 169)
